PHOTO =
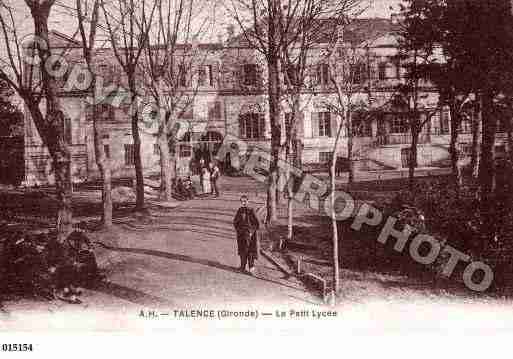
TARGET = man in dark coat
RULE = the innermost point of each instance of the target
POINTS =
(246, 224)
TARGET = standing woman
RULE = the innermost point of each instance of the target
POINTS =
(205, 181)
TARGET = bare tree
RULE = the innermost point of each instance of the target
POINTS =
(174, 69)
(128, 25)
(306, 27)
(35, 83)
(348, 74)
(271, 27)
(259, 22)
(87, 14)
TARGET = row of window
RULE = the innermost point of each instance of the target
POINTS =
(359, 74)
(106, 112)
(129, 153)
(249, 74)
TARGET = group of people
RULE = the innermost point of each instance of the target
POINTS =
(208, 175)
(184, 189)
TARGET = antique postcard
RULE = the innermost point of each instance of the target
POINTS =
(283, 168)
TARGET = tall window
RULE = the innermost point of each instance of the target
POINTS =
(252, 126)
(382, 71)
(214, 110)
(205, 76)
(359, 73)
(445, 122)
(68, 134)
(250, 74)
(323, 74)
(185, 151)
(397, 68)
(129, 154)
(324, 124)
(202, 76)
(106, 150)
(399, 125)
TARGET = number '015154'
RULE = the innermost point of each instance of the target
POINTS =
(17, 347)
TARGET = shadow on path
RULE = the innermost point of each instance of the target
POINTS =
(185, 258)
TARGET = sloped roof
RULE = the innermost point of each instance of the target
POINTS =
(361, 30)
(358, 31)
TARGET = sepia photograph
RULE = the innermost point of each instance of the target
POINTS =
(228, 167)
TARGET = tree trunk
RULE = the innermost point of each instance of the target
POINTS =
(453, 149)
(509, 132)
(290, 190)
(487, 169)
(274, 117)
(336, 264)
(349, 148)
(51, 129)
(103, 164)
(166, 172)
(412, 160)
(294, 157)
(476, 132)
(102, 161)
(139, 178)
(63, 189)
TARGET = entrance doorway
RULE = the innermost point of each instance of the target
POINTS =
(205, 148)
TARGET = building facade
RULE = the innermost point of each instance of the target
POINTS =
(226, 94)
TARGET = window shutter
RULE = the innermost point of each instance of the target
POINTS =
(325, 74)
(334, 127)
(300, 125)
(315, 124)
(242, 126)
(68, 137)
(239, 76)
(216, 76)
(261, 124)
(372, 71)
(318, 75)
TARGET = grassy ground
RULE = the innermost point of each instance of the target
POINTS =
(368, 269)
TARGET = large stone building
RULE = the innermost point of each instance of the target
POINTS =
(228, 96)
